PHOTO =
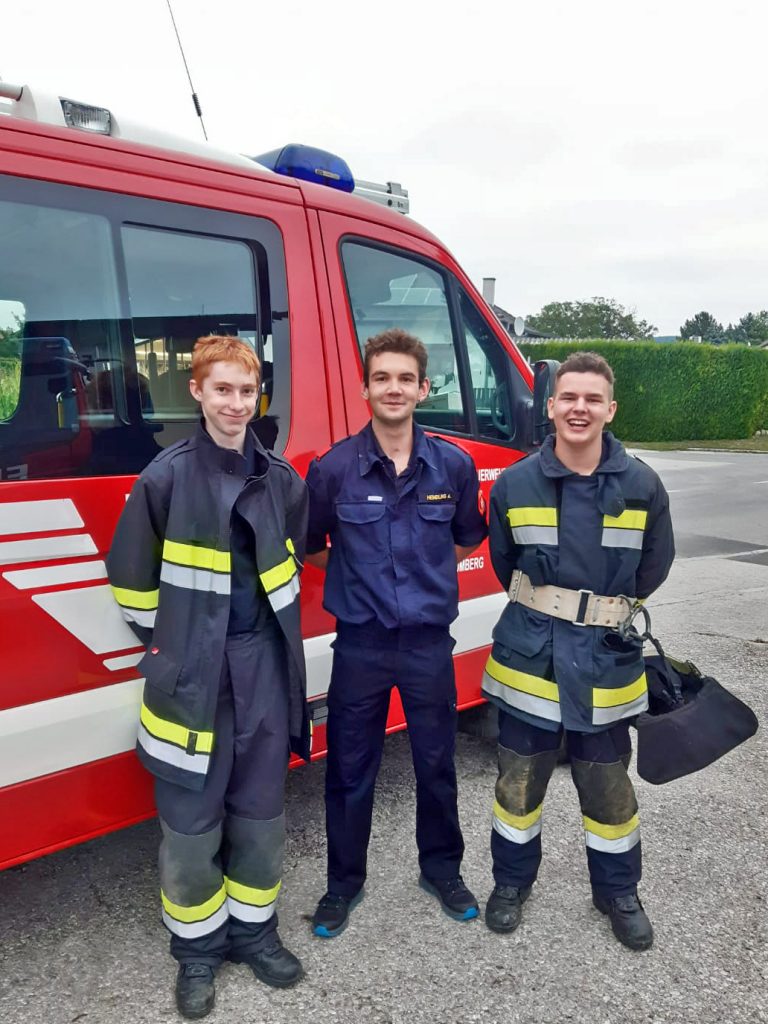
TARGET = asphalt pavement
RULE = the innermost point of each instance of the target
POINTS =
(81, 939)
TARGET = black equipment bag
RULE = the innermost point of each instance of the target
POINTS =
(691, 721)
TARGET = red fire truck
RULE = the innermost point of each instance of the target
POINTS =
(118, 249)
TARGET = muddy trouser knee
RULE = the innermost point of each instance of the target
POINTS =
(599, 763)
(527, 758)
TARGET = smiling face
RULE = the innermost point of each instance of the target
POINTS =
(227, 395)
(393, 389)
(580, 409)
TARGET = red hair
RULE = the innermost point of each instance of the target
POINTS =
(222, 348)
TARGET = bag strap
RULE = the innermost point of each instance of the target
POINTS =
(629, 631)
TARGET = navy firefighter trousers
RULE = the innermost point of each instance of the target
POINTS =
(368, 661)
(599, 762)
(221, 855)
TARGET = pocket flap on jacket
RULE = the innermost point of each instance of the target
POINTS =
(522, 630)
(441, 513)
(159, 671)
(360, 511)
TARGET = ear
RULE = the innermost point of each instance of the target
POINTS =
(364, 391)
(424, 387)
(611, 411)
(195, 390)
(551, 407)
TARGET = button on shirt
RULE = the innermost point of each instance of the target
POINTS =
(392, 557)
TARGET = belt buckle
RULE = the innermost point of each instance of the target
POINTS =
(581, 614)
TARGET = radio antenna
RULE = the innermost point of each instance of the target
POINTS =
(195, 100)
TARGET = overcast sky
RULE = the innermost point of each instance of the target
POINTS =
(568, 149)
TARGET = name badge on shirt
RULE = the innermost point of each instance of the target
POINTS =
(439, 496)
(375, 497)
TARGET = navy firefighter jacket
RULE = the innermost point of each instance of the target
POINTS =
(392, 557)
(171, 571)
(610, 533)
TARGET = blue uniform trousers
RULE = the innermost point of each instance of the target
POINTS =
(222, 849)
(599, 761)
(368, 661)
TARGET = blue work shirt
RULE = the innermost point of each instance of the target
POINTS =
(392, 558)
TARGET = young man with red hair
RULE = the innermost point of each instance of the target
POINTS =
(204, 565)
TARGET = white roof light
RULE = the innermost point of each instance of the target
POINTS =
(86, 117)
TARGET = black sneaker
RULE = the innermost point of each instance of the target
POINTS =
(629, 921)
(195, 990)
(275, 965)
(504, 909)
(455, 898)
(332, 914)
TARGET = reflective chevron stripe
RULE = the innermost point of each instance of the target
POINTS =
(626, 530)
(281, 582)
(612, 838)
(529, 693)
(247, 903)
(197, 557)
(613, 704)
(533, 525)
(194, 922)
(517, 828)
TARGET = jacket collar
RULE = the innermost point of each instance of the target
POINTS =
(369, 451)
(614, 458)
(253, 463)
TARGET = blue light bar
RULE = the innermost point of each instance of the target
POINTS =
(309, 164)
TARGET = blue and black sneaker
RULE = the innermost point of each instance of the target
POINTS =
(455, 898)
(332, 914)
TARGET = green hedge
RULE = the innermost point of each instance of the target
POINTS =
(10, 375)
(678, 391)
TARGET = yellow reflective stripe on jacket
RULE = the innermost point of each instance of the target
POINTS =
(144, 599)
(611, 831)
(632, 519)
(179, 735)
(249, 894)
(532, 516)
(279, 575)
(611, 698)
(517, 680)
(197, 913)
(518, 821)
(197, 557)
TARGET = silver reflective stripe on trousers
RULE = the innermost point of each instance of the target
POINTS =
(249, 912)
(195, 929)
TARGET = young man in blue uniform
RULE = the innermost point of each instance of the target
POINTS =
(578, 533)
(204, 565)
(401, 509)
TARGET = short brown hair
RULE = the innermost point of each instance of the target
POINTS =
(395, 340)
(222, 348)
(585, 362)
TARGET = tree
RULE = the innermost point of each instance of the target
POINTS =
(597, 318)
(751, 329)
(703, 326)
(10, 340)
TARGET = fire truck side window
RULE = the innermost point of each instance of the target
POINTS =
(102, 298)
(489, 370)
(387, 289)
(183, 286)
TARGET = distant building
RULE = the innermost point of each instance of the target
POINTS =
(513, 325)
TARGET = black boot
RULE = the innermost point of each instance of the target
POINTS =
(504, 909)
(629, 921)
(195, 990)
(275, 965)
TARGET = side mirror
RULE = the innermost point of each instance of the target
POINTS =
(544, 371)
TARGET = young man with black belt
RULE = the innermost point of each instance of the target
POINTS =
(578, 533)
(401, 509)
(204, 565)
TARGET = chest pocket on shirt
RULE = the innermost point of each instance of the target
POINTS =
(435, 535)
(363, 528)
